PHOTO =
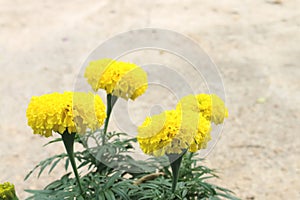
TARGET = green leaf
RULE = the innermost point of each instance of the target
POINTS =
(121, 193)
(109, 195)
(53, 141)
(54, 185)
(184, 193)
(42, 168)
(54, 165)
(28, 175)
(39, 191)
(150, 185)
(112, 179)
(228, 196)
(214, 198)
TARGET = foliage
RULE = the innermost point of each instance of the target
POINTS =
(118, 180)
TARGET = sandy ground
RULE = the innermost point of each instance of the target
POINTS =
(254, 43)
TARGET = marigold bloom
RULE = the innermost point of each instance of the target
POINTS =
(121, 79)
(186, 128)
(202, 136)
(71, 111)
(7, 191)
(209, 105)
(173, 132)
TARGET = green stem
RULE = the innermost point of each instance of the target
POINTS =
(175, 163)
(68, 140)
(110, 101)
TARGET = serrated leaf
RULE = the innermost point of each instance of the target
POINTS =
(101, 196)
(53, 185)
(39, 191)
(109, 195)
(54, 165)
(112, 179)
(184, 192)
(214, 198)
(121, 193)
(53, 141)
(28, 175)
(42, 168)
(83, 164)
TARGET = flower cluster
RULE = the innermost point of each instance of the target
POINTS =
(70, 111)
(121, 79)
(7, 191)
(187, 127)
(172, 133)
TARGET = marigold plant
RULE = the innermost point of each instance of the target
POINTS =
(187, 128)
(118, 79)
(108, 170)
(68, 114)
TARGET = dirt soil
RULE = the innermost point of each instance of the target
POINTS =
(254, 43)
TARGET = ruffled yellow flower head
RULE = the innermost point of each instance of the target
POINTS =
(156, 134)
(209, 108)
(7, 191)
(121, 79)
(186, 128)
(209, 105)
(71, 111)
(172, 132)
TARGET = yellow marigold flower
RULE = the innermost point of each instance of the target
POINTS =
(156, 134)
(202, 136)
(173, 132)
(209, 105)
(94, 72)
(121, 79)
(186, 128)
(7, 191)
(71, 111)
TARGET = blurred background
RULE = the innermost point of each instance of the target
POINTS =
(254, 43)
